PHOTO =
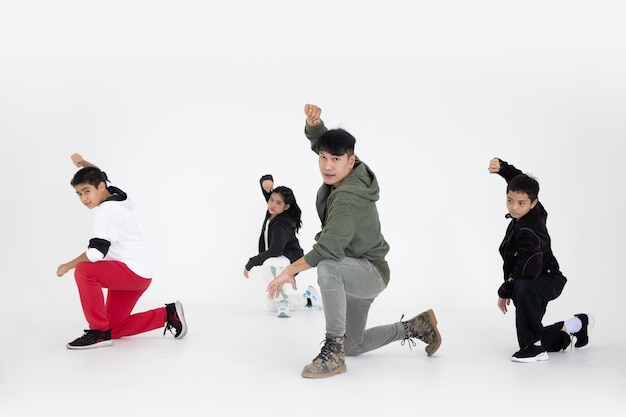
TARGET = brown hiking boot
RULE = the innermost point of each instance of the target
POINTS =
(330, 361)
(424, 327)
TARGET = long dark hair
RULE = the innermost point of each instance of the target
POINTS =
(294, 211)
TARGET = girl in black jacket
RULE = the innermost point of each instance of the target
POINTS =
(279, 246)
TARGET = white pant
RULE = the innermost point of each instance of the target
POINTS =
(271, 268)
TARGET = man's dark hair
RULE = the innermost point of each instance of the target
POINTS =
(336, 142)
(89, 175)
(523, 183)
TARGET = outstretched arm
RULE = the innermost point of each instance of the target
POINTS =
(267, 185)
(503, 168)
(313, 114)
(494, 166)
(314, 127)
(78, 160)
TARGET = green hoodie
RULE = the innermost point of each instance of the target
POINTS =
(350, 221)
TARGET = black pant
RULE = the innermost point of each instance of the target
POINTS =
(553, 338)
(531, 297)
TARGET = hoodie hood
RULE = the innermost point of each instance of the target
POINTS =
(350, 222)
(119, 196)
(283, 218)
(361, 182)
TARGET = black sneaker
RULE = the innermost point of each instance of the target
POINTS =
(175, 320)
(530, 354)
(582, 336)
(92, 339)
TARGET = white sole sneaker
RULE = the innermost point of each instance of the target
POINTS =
(283, 309)
(104, 343)
(543, 356)
(181, 316)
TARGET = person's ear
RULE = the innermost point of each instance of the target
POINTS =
(102, 186)
(351, 160)
(287, 206)
(534, 203)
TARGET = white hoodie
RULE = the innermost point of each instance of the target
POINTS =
(115, 223)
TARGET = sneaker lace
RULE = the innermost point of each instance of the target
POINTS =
(92, 336)
(572, 339)
(171, 324)
(89, 335)
(169, 327)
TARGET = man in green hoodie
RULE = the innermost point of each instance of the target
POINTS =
(349, 254)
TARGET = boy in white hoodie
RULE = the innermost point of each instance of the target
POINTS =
(117, 258)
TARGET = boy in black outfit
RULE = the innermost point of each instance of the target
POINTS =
(532, 276)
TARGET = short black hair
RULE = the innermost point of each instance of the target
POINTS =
(524, 183)
(89, 175)
(336, 142)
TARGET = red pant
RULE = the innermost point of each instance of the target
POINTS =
(124, 289)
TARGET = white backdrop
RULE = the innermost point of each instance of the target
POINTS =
(186, 104)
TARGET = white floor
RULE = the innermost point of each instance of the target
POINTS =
(246, 360)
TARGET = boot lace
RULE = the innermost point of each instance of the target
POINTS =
(330, 345)
(408, 339)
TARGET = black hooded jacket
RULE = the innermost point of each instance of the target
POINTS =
(281, 236)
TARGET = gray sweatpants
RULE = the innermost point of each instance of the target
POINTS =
(349, 287)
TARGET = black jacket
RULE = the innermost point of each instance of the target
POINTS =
(526, 248)
(281, 236)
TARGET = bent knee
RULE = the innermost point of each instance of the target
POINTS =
(85, 271)
(80, 270)
(351, 350)
(325, 267)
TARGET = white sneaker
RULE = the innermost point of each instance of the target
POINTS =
(313, 298)
(283, 308)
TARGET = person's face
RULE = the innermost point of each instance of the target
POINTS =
(335, 168)
(91, 196)
(519, 204)
(276, 205)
